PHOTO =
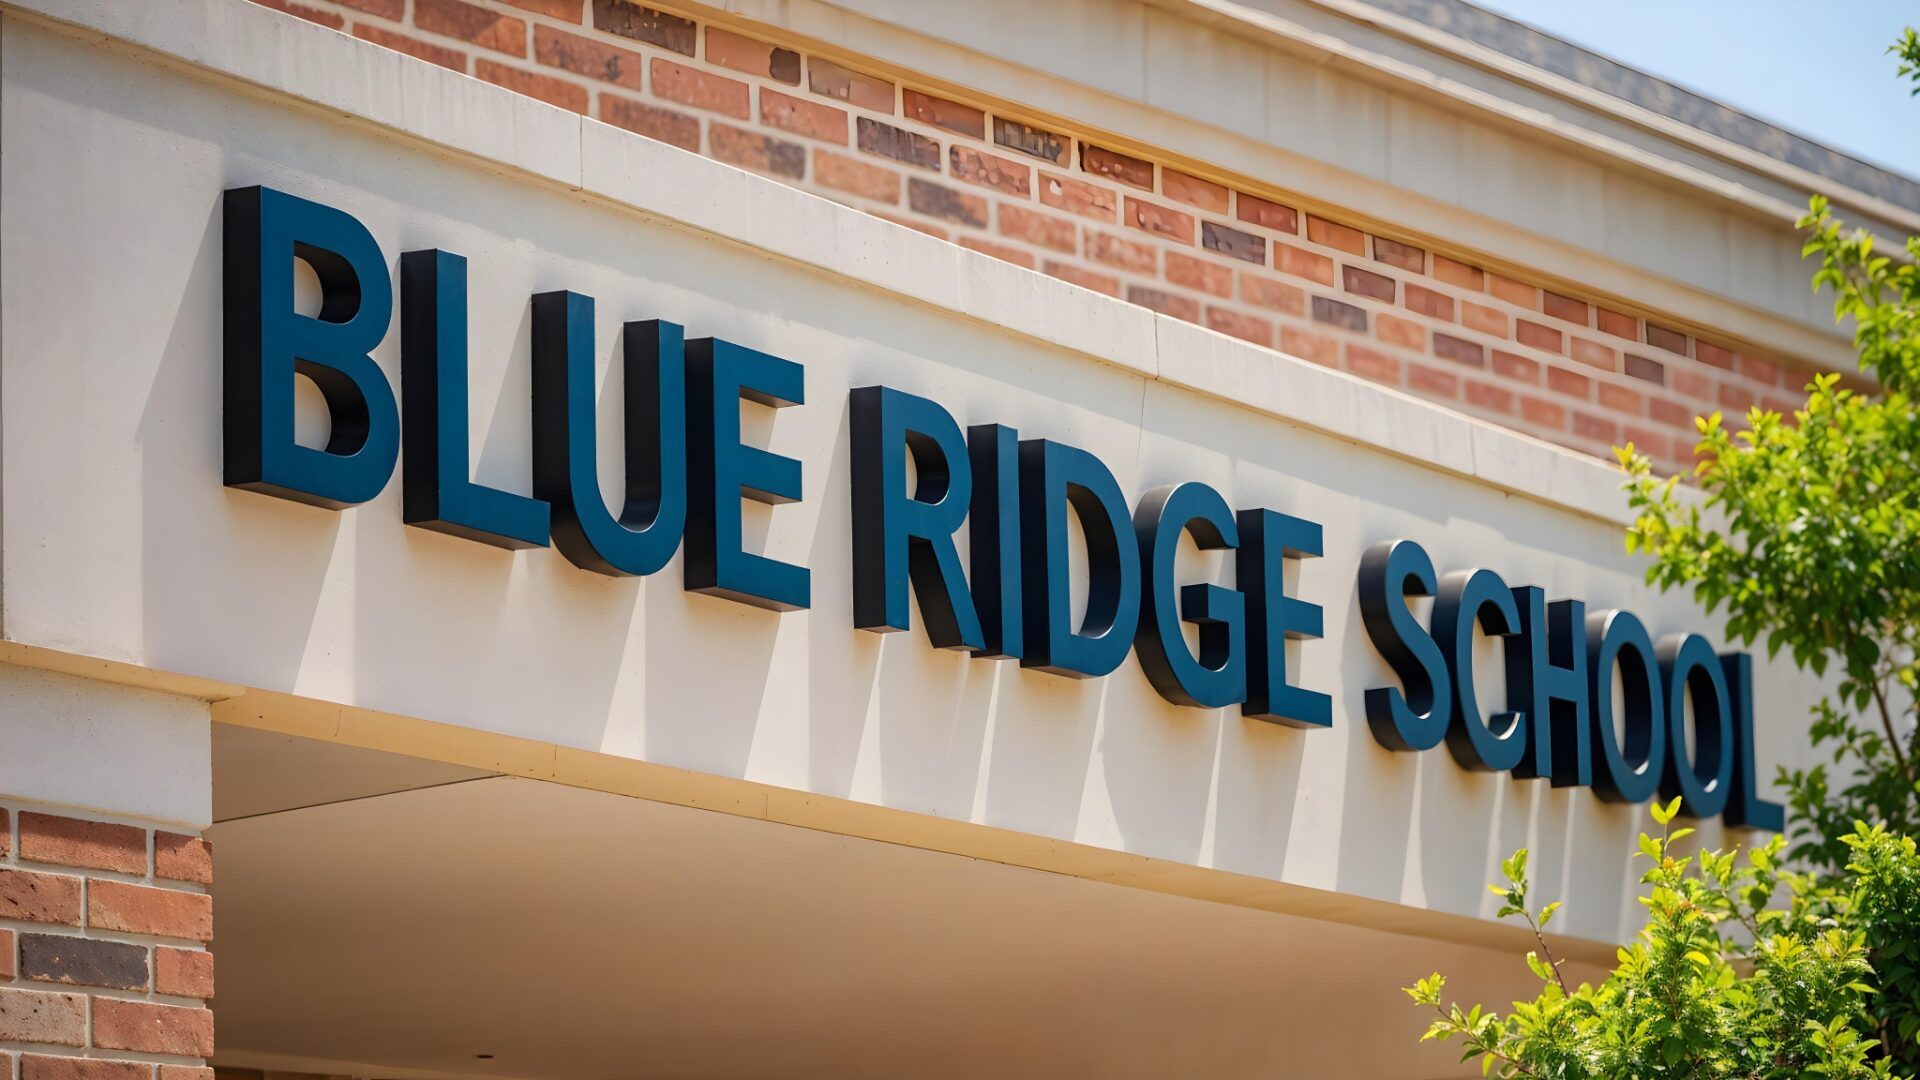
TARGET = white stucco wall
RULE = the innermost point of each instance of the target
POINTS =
(119, 540)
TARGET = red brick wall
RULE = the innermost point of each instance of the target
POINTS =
(104, 928)
(1223, 252)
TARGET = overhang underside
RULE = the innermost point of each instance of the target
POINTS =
(385, 916)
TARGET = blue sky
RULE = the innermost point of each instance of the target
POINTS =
(1818, 67)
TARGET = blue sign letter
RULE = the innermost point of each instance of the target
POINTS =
(1053, 478)
(720, 470)
(1267, 540)
(1417, 718)
(1218, 677)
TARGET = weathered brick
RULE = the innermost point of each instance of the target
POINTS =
(1737, 397)
(547, 88)
(1395, 330)
(631, 20)
(1588, 426)
(1689, 383)
(6, 833)
(1543, 415)
(1199, 274)
(856, 177)
(142, 909)
(570, 10)
(1619, 397)
(1125, 254)
(990, 170)
(1302, 263)
(730, 50)
(1237, 324)
(1367, 283)
(1432, 303)
(1489, 397)
(1459, 350)
(1593, 353)
(1535, 335)
(1335, 235)
(888, 141)
(1458, 273)
(7, 952)
(1405, 256)
(1268, 215)
(1086, 279)
(1044, 230)
(1759, 370)
(96, 845)
(1003, 252)
(183, 972)
(1671, 340)
(1617, 324)
(65, 958)
(1516, 367)
(1116, 166)
(1642, 368)
(152, 1029)
(468, 22)
(1669, 412)
(761, 153)
(1166, 303)
(938, 200)
(1432, 382)
(1572, 384)
(423, 50)
(1038, 142)
(1226, 240)
(941, 113)
(1322, 349)
(828, 79)
(1182, 187)
(49, 1067)
(1372, 364)
(665, 125)
(36, 897)
(1159, 220)
(41, 1016)
(1514, 292)
(802, 117)
(1339, 313)
(1648, 441)
(1704, 351)
(586, 56)
(1565, 307)
(1277, 295)
(186, 1072)
(1079, 197)
(329, 19)
(1484, 319)
(701, 89)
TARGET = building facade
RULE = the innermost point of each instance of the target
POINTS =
(851, 537)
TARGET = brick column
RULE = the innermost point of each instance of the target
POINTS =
(105, 972)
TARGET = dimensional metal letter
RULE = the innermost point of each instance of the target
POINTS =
(1479, 743)
(435, 490)
(1745, 807)
(1629, 772)
(1218, 676)
(565, 455)
(993, 534)
(899, 534)
(720, 470)
(1547, 679)
(1691, 671)
(1416, 719)
(267, 342)
(1055, 477)
(1267, 540)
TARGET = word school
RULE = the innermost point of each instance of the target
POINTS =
(687, 471)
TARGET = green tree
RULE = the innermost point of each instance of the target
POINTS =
(1785, 996)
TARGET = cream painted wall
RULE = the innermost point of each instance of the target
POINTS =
(119, 540)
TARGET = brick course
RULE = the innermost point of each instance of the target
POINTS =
(83, 983)
(1228, 253)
